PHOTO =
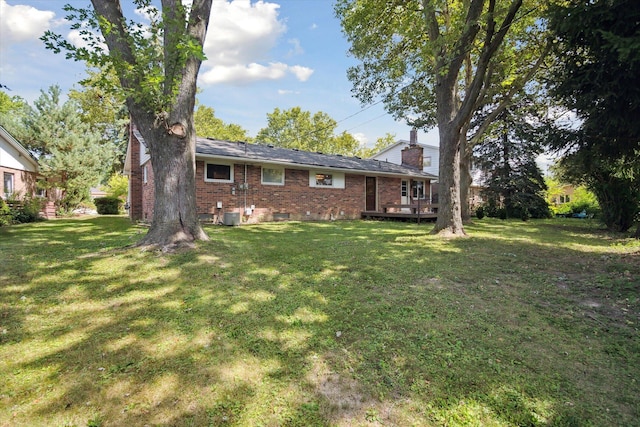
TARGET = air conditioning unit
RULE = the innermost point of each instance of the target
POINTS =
(231, 218)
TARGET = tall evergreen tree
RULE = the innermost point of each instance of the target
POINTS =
(507, 158)
(69, 152)
(105, 111)
(597, 78)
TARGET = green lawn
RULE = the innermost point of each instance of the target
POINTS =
(320, 324)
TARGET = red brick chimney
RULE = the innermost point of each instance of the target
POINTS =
(413, 137)
(412, 155)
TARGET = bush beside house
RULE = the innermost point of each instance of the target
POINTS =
(108, 205)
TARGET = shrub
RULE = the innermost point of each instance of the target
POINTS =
(107, 205)
(29, 210)
(6, 217)
(480, 212)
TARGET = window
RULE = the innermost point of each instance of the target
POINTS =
(404, 189)
(218, 172)
(417, 189)
(8, 184)
(322, 179)
(145, 176)
(426, 162)
(272, 176)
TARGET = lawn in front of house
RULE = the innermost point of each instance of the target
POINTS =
(320, 324)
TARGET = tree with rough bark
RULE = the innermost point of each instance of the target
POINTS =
(435, 63)
(157, 65)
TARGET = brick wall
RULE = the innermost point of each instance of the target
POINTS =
(295, 198)
(413, 156)
(24, 182)
(135, 181)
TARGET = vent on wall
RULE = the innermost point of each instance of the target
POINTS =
(280, 216)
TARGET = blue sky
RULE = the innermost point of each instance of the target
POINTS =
(261, 55)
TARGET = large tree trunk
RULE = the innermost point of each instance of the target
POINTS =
(466, 158)
(175, 218)
(449, 222)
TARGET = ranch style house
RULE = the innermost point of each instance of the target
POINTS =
(239, 182)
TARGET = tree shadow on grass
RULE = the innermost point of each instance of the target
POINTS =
(307, 324)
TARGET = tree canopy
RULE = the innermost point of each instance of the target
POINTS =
(210, 126)
(296, 128)
(436, 62)
(104, 110)
(596, 77)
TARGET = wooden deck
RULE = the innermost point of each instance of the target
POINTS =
(400, 216)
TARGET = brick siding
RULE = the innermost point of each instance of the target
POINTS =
(296, 198)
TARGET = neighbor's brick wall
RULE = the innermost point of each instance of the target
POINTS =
(135, 181)
(24, 182)
(295, 198)
(148, 192)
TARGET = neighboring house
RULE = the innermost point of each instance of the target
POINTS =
(430, 161)
(19, 169)
(19, 173)
(96, 193)
(565, 196)
(266, 183)
(431, 165)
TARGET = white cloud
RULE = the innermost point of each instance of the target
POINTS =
(287, 92)
(361, 138)
(296, 49)
(21, 23)
(241, 74)
(313, 26)
(301, 73)
(240, 37)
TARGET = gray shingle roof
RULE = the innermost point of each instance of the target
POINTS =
(261, 153)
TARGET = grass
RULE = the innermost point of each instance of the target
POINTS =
(320, 324)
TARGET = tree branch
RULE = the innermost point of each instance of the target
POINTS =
(492, 43)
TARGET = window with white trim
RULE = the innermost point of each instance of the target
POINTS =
(8, 184)
(218, 172)
(272, 175)
(326, 179)
(145, 174)
(426, 162)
